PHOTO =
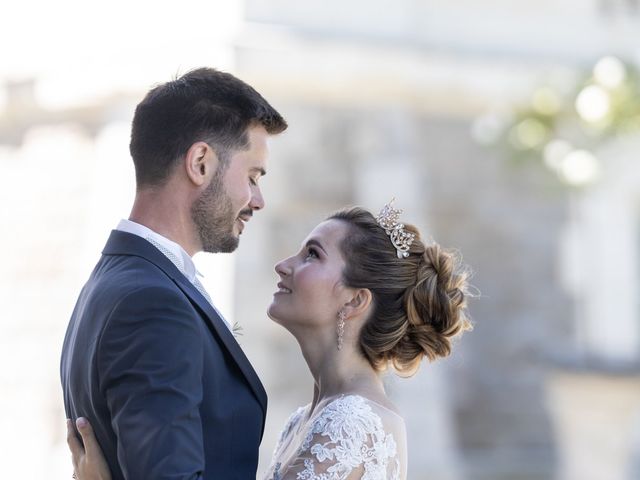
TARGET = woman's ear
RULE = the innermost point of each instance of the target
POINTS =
(359, 303)
(200, 162)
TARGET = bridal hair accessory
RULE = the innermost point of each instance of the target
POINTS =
(401, 239)
(341, 316)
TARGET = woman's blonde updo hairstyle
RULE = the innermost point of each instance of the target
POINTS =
(419, 302)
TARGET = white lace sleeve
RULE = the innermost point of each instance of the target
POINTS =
(349, 440)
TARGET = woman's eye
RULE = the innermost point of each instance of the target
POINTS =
(312, 253)
(252, 181)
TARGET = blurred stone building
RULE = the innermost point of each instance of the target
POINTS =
(381, 98)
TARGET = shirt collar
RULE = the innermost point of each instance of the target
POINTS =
(178, 256)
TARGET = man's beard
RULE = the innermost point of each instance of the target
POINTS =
(212, 214)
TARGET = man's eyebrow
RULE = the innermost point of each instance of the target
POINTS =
(260, 170)
(315, 242)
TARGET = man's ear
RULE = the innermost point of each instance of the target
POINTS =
(359, 303)
(200, 162)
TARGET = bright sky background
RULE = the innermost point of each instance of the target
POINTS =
(80, 49)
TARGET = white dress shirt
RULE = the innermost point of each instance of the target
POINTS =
(174, 252)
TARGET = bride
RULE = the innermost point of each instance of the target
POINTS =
(362, 294)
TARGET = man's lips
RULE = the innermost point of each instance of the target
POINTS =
(245, 215)
(243, 218)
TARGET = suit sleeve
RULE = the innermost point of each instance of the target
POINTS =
(150, 362)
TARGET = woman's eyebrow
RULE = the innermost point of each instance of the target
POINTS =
(315, 242)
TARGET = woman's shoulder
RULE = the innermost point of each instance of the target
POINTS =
(354, 434)
(359, 414)
(360, 404)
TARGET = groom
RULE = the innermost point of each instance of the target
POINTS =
(147, 358)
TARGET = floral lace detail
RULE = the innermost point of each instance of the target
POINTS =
(346, 438)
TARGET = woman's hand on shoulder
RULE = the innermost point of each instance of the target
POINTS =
(88, 461)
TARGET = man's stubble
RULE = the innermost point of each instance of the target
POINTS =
(212, 213)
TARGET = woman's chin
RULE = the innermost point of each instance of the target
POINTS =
(272, 313)
(277, 317)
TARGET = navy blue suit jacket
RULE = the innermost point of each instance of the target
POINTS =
(168, 390)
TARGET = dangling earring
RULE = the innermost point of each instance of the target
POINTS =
(341, 316)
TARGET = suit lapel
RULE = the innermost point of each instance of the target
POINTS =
(220, 327)
(123, 243)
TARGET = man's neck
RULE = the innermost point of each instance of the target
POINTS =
(165, 216)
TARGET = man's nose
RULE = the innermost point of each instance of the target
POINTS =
(257, 200)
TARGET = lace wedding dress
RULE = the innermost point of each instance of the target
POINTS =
(347, 438)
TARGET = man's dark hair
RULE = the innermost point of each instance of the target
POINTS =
(202, 105)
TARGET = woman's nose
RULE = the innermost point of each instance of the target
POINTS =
(283, 267)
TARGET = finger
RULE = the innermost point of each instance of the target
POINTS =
(88, 437)
(74, 444)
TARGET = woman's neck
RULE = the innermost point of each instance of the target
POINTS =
(337, 372)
